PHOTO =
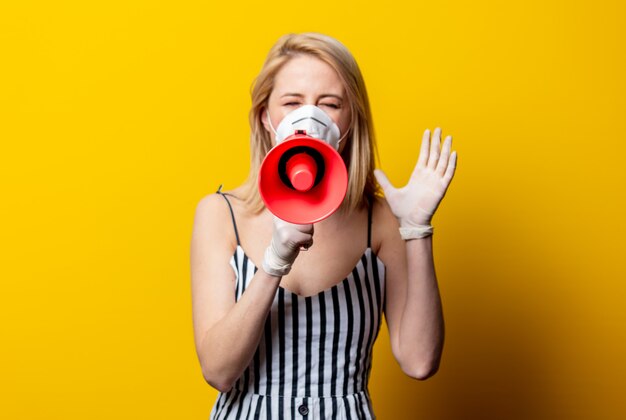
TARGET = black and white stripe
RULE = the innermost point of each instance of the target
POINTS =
(315, 354)
(317, 348)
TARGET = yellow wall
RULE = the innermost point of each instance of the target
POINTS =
(117, 117)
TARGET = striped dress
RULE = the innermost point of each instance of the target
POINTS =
(315, 356)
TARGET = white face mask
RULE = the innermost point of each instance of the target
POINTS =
(315, 122)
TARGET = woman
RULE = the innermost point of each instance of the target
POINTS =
(285, 329)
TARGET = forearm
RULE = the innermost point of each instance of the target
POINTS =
(422, 325)
(229, 345)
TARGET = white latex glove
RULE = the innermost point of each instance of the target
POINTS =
(287, 241)
(414, 204)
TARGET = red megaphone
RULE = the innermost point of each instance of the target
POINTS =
(303, 180)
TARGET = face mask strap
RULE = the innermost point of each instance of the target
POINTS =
(269, 120)
(343, 137)
(346, 133)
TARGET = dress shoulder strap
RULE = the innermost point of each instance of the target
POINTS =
(232, 213)
(369, 224)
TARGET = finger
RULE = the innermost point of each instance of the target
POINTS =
(423, 157)
(303, 240)
(450, 169)
(308, 229)
(433, 158)
(279, 223)
(305, 246)
(445, 155)
(383, 181)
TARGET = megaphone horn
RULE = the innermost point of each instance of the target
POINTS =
(303, 179)
(301, 167)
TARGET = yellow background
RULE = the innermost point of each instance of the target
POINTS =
(116, 117)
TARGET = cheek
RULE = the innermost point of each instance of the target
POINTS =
(344, 127)
(276, 116)
(344, 123)
(340, 120)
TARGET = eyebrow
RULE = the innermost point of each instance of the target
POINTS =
(326, 95)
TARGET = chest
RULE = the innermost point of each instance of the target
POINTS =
(338, 246)
(366, 280)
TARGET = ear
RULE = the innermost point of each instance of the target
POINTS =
(264, 120)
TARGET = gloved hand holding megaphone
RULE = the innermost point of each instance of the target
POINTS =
(302, 180)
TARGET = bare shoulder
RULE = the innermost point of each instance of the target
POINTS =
(213, 219)
(384, 224)
(382, 214)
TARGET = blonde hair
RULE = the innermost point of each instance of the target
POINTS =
(359, 153)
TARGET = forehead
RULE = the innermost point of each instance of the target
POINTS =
(305, 74)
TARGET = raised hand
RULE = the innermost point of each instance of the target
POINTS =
(415, 203)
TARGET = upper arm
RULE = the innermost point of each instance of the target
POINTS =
(392, 252)
(212, 278)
